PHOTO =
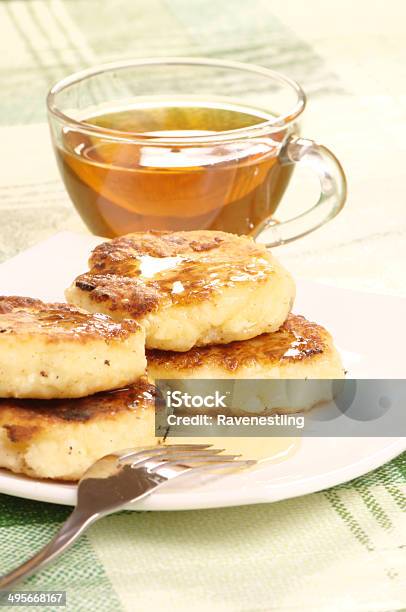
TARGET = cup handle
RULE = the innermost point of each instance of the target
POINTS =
(333, 192)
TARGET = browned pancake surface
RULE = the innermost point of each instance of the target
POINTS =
(58, 321)
(297, 340)
(139, 272)
(24, 417)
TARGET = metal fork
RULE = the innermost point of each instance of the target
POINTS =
(119, 479)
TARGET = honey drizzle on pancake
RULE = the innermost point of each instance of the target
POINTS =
(29, 316)
(297, 340)
(139, 271)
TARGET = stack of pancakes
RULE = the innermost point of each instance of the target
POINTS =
(203, 304)
(58, 365)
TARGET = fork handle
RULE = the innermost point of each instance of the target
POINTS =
(73, 527)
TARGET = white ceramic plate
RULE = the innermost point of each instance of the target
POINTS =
(369, 350)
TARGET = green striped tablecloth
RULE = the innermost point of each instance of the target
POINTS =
(336, 550)
(342, 549)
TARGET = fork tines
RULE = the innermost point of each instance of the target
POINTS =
(184, 456)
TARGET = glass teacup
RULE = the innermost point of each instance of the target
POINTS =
(187, 143)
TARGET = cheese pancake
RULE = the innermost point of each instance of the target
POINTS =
(60, 439)
(298, 350)
(58, 350)
(187, 288)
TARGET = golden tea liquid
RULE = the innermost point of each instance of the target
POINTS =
(122, 187)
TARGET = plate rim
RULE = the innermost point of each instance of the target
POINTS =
(16, 486)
